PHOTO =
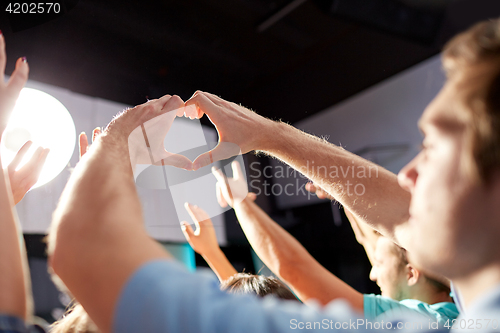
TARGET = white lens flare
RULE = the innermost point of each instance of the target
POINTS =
(41, 118)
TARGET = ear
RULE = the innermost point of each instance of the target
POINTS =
(412, 275)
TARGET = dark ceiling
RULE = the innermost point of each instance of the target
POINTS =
(285, 59)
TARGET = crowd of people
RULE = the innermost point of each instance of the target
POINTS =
(429, 230)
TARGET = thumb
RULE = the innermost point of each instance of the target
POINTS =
(95, 133)
(237, 173)
(251, 196)
(220, 197)
(83, 144)
(223, 187)
(19, 77)
(222, 151)
(179, 161)
(187, 230)
(19, 156)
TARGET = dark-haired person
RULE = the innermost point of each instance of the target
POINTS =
(404, 287)
(447, 203)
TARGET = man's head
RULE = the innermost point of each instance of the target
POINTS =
(75, 320)
(389, 270)
(243, 283)
(399, 279)
(455, 179)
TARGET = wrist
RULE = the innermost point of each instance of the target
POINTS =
(272, 136)
(213, 254)
(112, 140)
(243, 203)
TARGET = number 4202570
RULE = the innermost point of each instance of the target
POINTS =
(33, 8)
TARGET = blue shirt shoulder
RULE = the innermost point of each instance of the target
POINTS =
(380, 307)
(162, 296)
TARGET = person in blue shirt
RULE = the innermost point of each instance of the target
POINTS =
(443, 209)
(405, 288)
(287, 258)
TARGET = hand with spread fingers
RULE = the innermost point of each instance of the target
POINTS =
(204, 241)
(9, 91)
(231, 191)
(240, 129)
(22, 179)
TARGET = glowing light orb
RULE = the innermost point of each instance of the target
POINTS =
(41, 118)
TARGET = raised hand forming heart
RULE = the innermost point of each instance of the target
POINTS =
(240, 130)
(146, 141)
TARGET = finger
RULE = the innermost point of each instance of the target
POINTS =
(222, 151)
(180, 112)
(179, 161)
(321, 194)
(95, 133)
(237, 173)
(219, 175)
(30, 166)
(37, 167)
(203, 105)
(151, 109)
(251, 196)
(310, 187)
(83, 144)
(215, 99)
(224, 184)
(19, 77)
(197, 213)
(171, 103)
(193, 215)
(190, 112)
(19, 156)
(187, 230)
(202, 216)
(3, 58)
(220, 198)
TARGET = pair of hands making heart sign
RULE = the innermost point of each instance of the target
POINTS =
(240, 130)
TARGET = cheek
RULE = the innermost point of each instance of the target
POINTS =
(438, 182)
(388, 276)
(440, 199)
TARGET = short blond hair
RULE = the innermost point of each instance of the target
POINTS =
(75, 320)
(480, 45)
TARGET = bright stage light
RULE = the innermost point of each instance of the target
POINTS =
(41, 118)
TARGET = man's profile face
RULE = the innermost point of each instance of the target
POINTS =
(388, 270)
(448, 210)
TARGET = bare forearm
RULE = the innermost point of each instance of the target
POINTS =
(288, 259)
(365, 235)
(366, 189)
(218, 262)
(13, 280)
(99, 222)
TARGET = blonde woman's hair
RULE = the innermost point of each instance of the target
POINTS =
(75, 320)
